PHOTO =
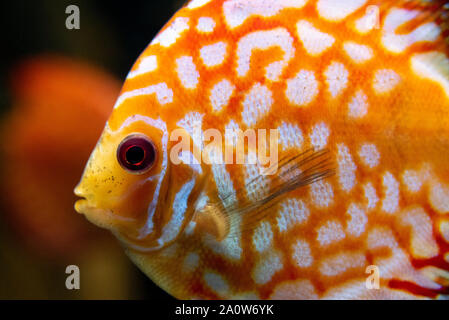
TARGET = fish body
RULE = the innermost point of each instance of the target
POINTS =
(366, 82)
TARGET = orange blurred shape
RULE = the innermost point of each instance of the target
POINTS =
(60, 108)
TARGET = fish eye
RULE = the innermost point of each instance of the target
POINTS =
(136, 154)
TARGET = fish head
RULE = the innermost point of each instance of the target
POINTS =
(124, 179)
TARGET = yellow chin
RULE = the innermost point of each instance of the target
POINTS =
(104, 218)
(99, 217)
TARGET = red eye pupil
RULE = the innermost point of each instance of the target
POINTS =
(136, 154)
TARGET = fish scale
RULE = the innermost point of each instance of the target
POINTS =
(326, 75)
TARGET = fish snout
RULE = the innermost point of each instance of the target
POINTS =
(84, 204)
(99, 216)
(79, 191)
(80, 204)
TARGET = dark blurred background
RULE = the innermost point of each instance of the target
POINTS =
(37, 237)
(111, 36)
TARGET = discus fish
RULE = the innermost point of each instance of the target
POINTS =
(353, 200)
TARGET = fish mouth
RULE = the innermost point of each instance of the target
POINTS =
(97, 216)
(81, 206)
(103, 218)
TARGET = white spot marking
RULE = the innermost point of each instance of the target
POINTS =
(319, 135)
(385, 81)
(187, 72)
(357, 224)
(390, 203)
(369, 155)
(290, 136)
(179, 207)
(263, 40)
(169, 36)
(302, 256)
(423, 245)
(206, 24)
(217, 283)
(336, 78)
(262, 237)
(357, 52)
(371, 196)
(220, 94)
(237, 11)
(358, 107)
(439, 197)
(444, 230)
(340, 263)
(259, 190)
(302, 89)
(164, 94)
(346, 168)
(231, 133)
(314, 41)
(193, 4)
(322, 194)
(266, 267)
(335, 11)
(293, 212)
(193, 123)
(214, 54)
(257, 104)
(191, 262)
(369, 21)
(412, 180)
(330, 232)
(146, 65)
